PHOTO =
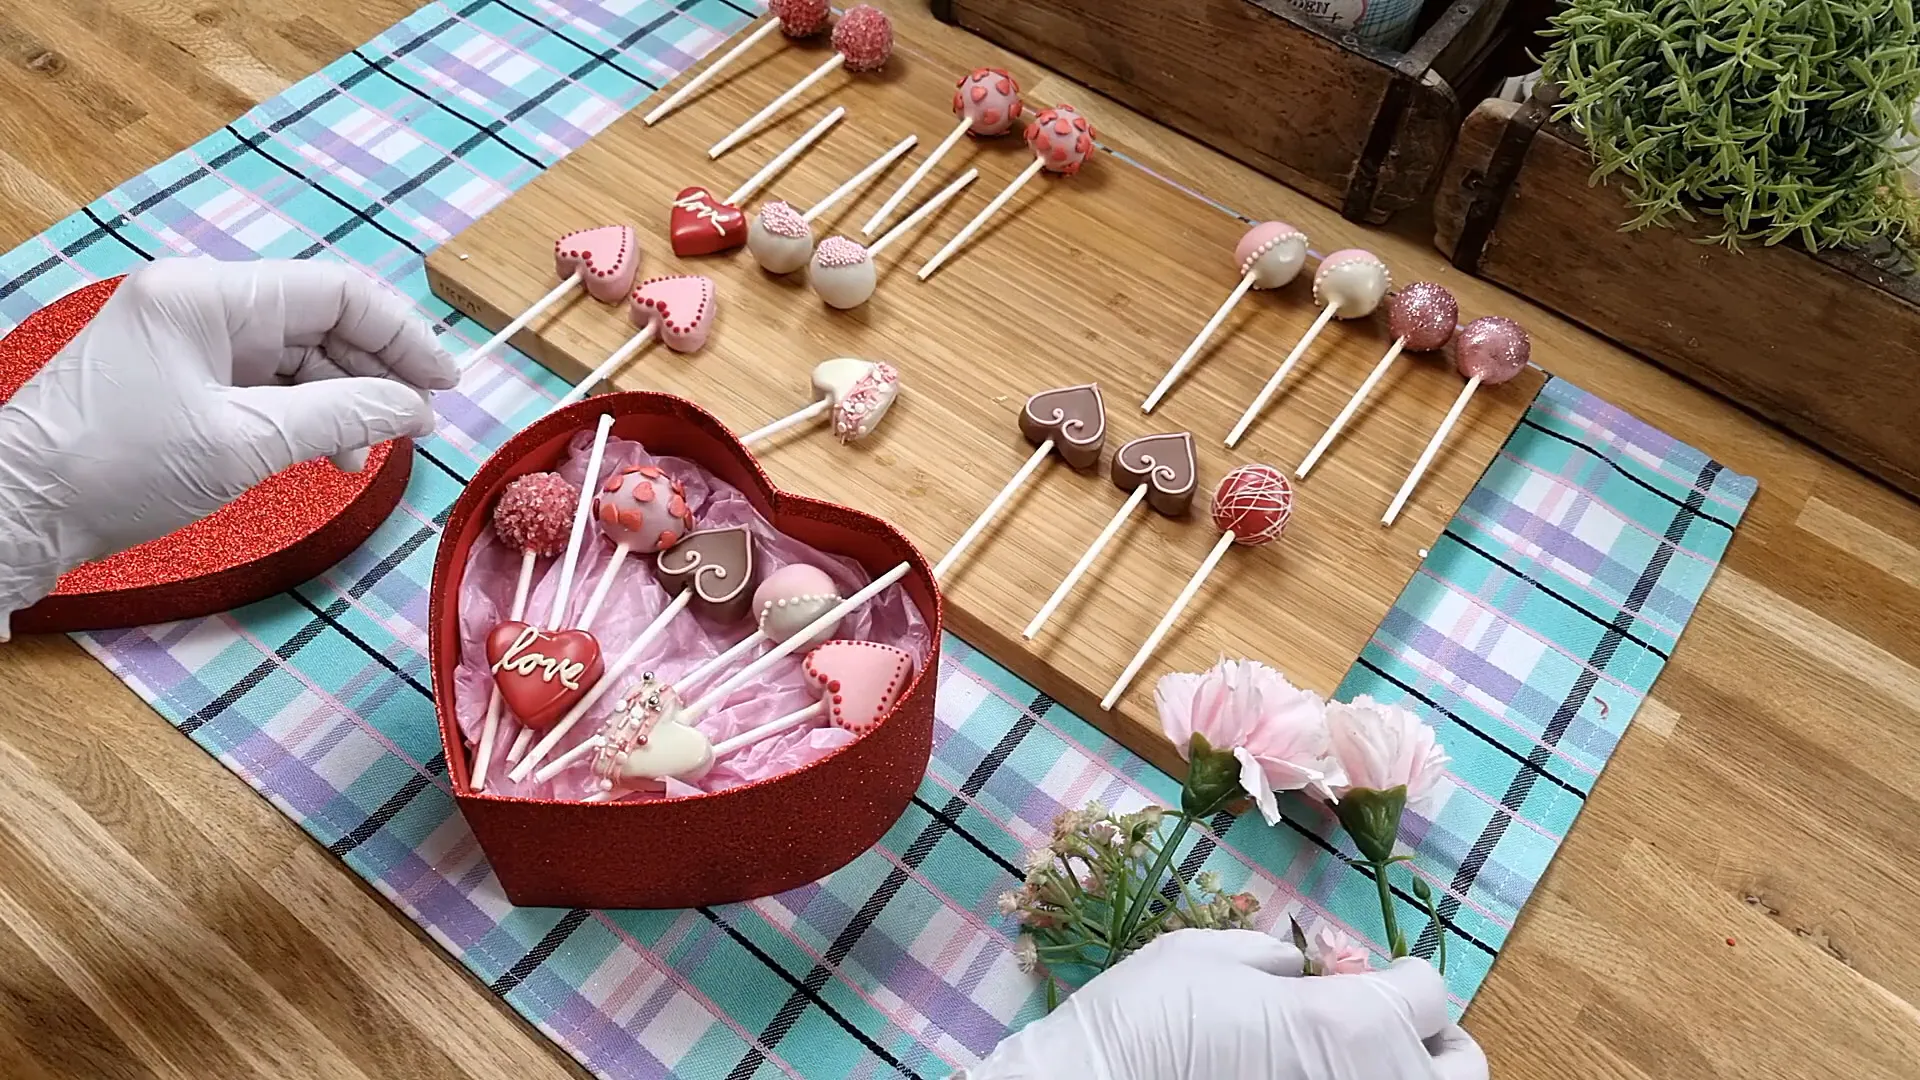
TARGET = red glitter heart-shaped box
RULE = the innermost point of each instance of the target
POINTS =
(285, 531)
(753, 840)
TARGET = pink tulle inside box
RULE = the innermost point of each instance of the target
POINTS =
(693, 637)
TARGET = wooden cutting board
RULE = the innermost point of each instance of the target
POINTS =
(1104, 277)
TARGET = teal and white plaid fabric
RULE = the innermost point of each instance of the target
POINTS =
(1530, 636)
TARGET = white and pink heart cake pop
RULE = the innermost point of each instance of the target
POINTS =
(1352, 280)
(988, 99)
(800, 18)
(1273, 252)
(780, 238)
(843, 273)
(606, 258)
(644, 508)
(680, 309)
(790, 599)
(1062, 139)
(861, 391)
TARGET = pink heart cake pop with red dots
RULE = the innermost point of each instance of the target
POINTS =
(680, 310)
(606, 258)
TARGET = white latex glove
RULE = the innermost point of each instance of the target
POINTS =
(1232, 1005)
(196, 381)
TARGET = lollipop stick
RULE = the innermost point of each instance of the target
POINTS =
(712, 69)
(1159, 631)
(1433, 447)
(605, 586)
(781, 651)
(520, 743)
(1200, 340)
(907, 223)
(1279, 376)
(913, 181)
(790, 420)
(490, 730)
(768, 730)
(1353, 405)
(857, 179)
(606, 369)
(581, 512)
(599, 689)
(753, 122)
(521, 320)
(979, 219)
(785, 157)
(558, 765)
(705, 671)
(1086, 560)
(999, 501)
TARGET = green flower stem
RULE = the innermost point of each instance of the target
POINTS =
(1131, 924)
(1424, 893)
(1394, 941)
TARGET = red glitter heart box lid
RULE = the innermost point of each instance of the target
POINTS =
(753, 840)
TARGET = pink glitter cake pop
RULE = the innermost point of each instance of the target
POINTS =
(535, 513)
(800, 18)
(1492, 349)
(1423, 315)
(864, 36)
(988, 99)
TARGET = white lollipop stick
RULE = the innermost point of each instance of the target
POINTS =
(1433, 447)
(520, 743)
(600, 591)
(706, 76)
(893, 201)
(794, 419)
(1179, 604)
(1086, 561)
(558, 765)
(521, 320)
(1199, 341)
(581, 513)
(599, 689)
(999, 501)
(754, 122)
(907, 223)
(768, 730)
(854, 182)
(1353, 405)
(797, 641)
(1279, 376)
(980, 219)
(483, 754)
(705, 671)
(606, 369)
(785, 157)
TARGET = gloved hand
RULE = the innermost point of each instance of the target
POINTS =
(196, 381)
(1232, 1005)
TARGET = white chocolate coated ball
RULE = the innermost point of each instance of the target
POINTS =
(843, 273)
(779, 238)
(1353, 281)
(1273, 252)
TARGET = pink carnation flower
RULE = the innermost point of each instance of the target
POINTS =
(1276, 731)
(1382, 747)
(1332, 951)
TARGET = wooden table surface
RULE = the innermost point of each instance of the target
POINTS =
(1733, 902)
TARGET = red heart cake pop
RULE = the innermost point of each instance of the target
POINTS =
(703, 225)
(541, 673)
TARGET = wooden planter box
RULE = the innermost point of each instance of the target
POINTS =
(1827, 346)
(1360, 128)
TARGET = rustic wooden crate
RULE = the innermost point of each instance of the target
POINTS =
(1824, 345)
(1361, 128)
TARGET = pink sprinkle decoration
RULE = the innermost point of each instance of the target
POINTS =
(865, 37)
(535, 513)
(838, 251)
(782, 220)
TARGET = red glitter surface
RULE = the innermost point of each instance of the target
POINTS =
(277, 535)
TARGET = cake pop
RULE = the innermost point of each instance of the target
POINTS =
(794, 18)
(1491, 349)
(857, 682)
(781, 238)
(1349, 284)
(791, 598)
(602, 259)
(678, 310)
(843, 272)
(1072, 419)
(640, 508)
(716, 565)
(862, 41)
(1251, 507)
(1269, 255)
(534, 516)
(987, 101)
(1061, 139)
(1157, 469)
(1421, 318)
(858, 391)
(699, 224)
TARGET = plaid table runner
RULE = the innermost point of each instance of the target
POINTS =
(1530, 635)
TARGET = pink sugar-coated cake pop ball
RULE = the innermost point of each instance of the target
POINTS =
(535, 513)
(843, 273)
(1424, 314)
(1273, 252)
(1061, 138)
(1493, 349)
(790, 599)
(800, 18)
(1253, 502)
(644, 508)
(1354, 281)
(779, 238)
(989, 100)
(864, 36)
